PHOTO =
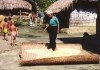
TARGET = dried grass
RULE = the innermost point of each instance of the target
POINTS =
(63, 4)
(13, 4)
(60, 5)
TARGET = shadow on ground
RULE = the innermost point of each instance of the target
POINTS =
(27, 36)
(88, 42)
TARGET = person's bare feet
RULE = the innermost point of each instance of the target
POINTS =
(12, 44)
(5, 39)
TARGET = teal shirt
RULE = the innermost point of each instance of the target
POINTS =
(54, 21)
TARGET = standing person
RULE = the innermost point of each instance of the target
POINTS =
(9, 23)
(1, 22)
(53, 29)
(5, 29)
(31, 19)
(41, 17)
(14, 32)
(0, 25)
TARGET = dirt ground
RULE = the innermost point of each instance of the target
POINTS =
(9, 59)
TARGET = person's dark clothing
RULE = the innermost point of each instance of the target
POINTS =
(52, 30)
(52, 36)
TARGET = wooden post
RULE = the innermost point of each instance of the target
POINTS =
(10, 13)
(98, 21)
(20, 14)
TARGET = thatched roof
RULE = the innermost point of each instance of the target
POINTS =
(60, 5)
(63, 4)
(14, 4)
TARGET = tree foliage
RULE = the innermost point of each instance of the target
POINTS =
(43, 4)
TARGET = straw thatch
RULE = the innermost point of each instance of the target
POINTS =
(64, 4)
(60, 5)
(14, 4)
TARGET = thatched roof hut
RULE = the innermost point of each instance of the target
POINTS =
(16, 7)
(61, 5)
(14, 4)
(63, 9)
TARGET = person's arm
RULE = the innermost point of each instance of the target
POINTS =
(58, 24)
(3, 26)
(58, 28)
(46, 28)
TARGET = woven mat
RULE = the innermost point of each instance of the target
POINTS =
(38, 54)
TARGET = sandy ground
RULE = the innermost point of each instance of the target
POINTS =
(9, 60)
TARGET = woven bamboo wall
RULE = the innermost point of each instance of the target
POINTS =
(81, 18)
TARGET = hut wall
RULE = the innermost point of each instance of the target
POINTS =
(82, 18)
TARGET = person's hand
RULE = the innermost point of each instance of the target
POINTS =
(58, 31)
(47, 25)
(45, 30)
